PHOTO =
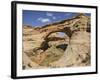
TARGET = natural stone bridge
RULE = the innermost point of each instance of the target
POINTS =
(80, 22)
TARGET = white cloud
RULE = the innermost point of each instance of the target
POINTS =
(44, 20)
(54, 17)
(49, 14)
(39, 19)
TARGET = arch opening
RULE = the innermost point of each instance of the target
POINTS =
(61, 34)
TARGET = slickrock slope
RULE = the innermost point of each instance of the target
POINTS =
(43, 47)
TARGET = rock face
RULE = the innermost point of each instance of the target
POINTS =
(43, 47)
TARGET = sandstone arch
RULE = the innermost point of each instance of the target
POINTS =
(66, 26)
(67, 29)
(44, 45)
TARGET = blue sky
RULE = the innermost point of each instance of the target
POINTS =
(40, 18)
